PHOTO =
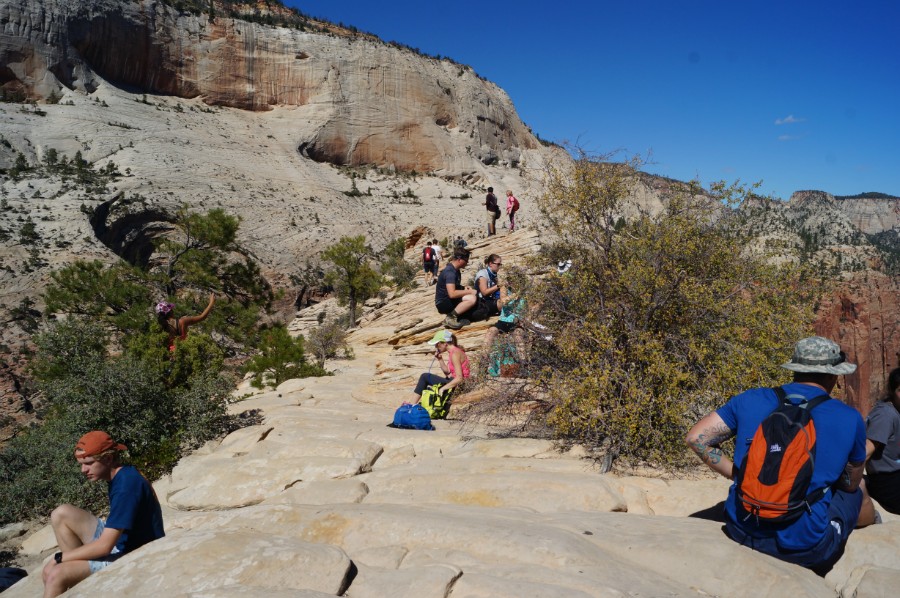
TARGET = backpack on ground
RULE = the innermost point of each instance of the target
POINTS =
(411, 417)
(435, 403)
(773, 481)
(428, 254)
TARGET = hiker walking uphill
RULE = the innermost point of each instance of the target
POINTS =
(88, 544)
(512, 206)
(493, 211)
(177, 328)
(450, 297)
(428, 263)
(883, 447)
(438, 256)
(806, 521)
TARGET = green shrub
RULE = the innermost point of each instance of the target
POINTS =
(281, 358)
(326, 340)
(661, 318)
(131, 398)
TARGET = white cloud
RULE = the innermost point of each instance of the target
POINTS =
(788, 120)
(788, 137)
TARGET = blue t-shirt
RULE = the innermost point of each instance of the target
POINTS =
(840, 438)
(134, 509)
(448, 275)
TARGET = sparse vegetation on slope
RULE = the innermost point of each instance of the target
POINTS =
(660, 319)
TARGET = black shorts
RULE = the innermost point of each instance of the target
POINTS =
(505, 327)
(445, 306)
(428, 266)
(885, 488)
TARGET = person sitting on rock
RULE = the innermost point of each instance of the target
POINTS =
(816, 537)
(177, 328)
(883, 447)
(487, 285)
(512, 305)
(456, 367)
(450, 297)
(88, 544)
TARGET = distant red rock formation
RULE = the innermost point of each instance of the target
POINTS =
(862, 315)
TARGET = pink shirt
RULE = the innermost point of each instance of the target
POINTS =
(465, 362)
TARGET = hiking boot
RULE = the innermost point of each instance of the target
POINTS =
(452, 322)
(464, 322)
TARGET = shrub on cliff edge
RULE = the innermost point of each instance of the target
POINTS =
(661, 318)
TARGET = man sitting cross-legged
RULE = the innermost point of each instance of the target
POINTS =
(88, 544)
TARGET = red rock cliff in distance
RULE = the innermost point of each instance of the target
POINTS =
(368, 102)
(863, 315)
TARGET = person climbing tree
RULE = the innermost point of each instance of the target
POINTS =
(177, 327)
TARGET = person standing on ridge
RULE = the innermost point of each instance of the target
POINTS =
(512, 206)
(88, 544)
(428, 266)
(813, 531)
(438, 256)
(493, 211)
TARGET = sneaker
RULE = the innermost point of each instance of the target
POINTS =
(452, 322)
(464, 322)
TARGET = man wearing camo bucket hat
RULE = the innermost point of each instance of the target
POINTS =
(816, 537)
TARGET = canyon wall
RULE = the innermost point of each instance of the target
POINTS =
(370, 102)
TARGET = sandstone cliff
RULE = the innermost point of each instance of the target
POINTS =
(371, 103)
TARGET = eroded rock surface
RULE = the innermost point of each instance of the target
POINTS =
(412, 513)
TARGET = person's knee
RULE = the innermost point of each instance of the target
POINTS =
(62, 514)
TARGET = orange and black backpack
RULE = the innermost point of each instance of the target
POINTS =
(773, 481)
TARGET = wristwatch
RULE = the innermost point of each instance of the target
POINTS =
(58, 558)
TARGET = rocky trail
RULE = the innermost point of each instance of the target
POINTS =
(322, 499)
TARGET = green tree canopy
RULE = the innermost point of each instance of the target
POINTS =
(353, 278)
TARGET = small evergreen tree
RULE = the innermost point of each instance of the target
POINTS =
(354, 280)
(281, 358)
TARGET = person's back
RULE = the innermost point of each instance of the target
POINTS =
(838, 428)
(806, 526)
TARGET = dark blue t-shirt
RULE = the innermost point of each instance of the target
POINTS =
(841, 438)
(134, 509)
(448, 275)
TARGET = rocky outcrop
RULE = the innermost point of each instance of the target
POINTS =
(323, 499)
(369, 102)
(870, 215)
(863, 315)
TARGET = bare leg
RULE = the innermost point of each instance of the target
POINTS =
(867, 511)
(489, 339)
(467, 303)
(72, 526)
(61, 577)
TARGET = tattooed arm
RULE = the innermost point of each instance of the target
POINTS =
(853, 474)
(705, 437)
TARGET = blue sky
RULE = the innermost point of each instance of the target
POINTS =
(796, 94)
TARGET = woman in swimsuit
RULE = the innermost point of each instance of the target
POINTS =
(177, 327)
